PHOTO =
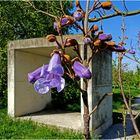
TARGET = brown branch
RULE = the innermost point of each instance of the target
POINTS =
(95, 4)
(133, 59)
(114, 15)
(137, 115)
(99, 102)
(125, 101)
(79, 27)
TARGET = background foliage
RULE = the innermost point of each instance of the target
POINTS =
(20, 21)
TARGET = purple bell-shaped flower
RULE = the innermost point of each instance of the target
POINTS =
(35, 75)
(105, 37)
(48, 76)
(119, 48)
(81, 71)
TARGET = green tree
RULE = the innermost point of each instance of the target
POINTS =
(20, 21)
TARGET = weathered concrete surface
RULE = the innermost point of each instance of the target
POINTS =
(22, 98)
(100, 84)
(71, 120)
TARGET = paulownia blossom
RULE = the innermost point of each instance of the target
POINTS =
(105, 37)
(119, 48)
(49, 76)
(81, 71)
(35, 75)
(67, 20)
(78, 16)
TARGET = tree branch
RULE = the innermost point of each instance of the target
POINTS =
(125, 101)
(40, 11)
(114, 15)
(99, 102)
(133, 59)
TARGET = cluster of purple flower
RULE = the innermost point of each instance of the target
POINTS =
(51, 75)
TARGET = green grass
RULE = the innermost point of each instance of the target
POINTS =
(118, 104)
(23, 129)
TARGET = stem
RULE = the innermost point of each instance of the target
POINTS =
(124, 123)
(99, 102)
(114, 15)
(87, 16)
(125, 101)
(40, 11)
(86, 115)
(133, 59)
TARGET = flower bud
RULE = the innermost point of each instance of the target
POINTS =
(106, 5)
(97, 43)
(51, 38)
(77, 3)
(110, 43)
(80, 70)
(78, 15)
(119, 48)
(70, 42)
(94, 28)
(66, 58)
(66, 20)
(87, 40)
(105, 37)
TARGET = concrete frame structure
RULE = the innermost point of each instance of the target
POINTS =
(26, 55)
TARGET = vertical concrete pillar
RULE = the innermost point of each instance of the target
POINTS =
(100, 84)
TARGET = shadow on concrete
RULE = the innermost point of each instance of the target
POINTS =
(117, 129)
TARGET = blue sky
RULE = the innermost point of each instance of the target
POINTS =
(132, 23)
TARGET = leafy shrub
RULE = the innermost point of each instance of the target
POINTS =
(3, 77)
(69, 98)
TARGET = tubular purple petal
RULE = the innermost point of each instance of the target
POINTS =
(105, 37)
(61, 85)
(35, 75)
(58, 70)
(64, 21)
(81, 71)
(119, 48)
(41, 86)
(44, 71)
(55, 60)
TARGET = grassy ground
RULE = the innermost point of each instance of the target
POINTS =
(118, 104)
(21, 129)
